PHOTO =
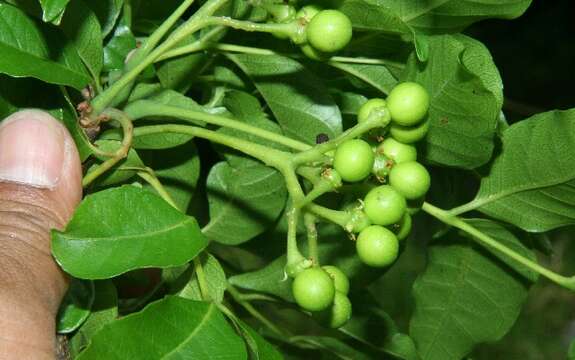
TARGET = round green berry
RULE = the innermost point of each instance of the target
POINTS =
(340, 280)
(340, 311)
(313, 53)
(408, 103)
(377, 246)
(409, 134)
(353, 160)
(410, 179)
(397, 151)
(384, 205)
(329, 31)
(306, 13)
(313, 289)
(366, 109)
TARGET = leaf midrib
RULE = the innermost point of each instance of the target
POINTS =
(201, 324)
(122, 237)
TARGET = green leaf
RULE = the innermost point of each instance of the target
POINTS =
(178, 169)
(76, 306)
(53, 9)
(531, 183)
(434, 16)
(107, 12)
(259, 348)
(378, 76)
(104, 311)
(118, 47)
(28, 51)
(180, 329)
(82, 28)
(348, 102)
(123, 229)
(178, 73)
(466, 99)
(246, 108)
(338, 348)
(297, 98)
(271, 279)
(244, 200)
(465, 297)
(571, 351)
(188, 287)
(116, 175)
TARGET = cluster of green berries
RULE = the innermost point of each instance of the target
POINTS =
(393, 161)
(326, 31)
(383, 217)
(323, 290)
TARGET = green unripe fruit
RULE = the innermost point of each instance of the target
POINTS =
(377, 246)
(408, 103)
(340, 311)
(365, 109)
(384, 205)
(306, 13)
(314, 54)
(358, 219)
(411, 179)
(313, 289)
(340, 280)
(403, 228)
(397, 151)
(353, 160)
(409, 134)
(329, 31)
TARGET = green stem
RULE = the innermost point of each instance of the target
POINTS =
(490, 243)
(309, 221)
(199, 45)
(195, 23)
(121, 153)
(376, 119)
(151, 179)
(267, 155)
(291, 30)
(146, 108)
(340, 218)
(158, 34)
(237, 296)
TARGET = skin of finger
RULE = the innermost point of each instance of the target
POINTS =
(31, 283)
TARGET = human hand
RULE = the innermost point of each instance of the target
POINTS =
(40, 186)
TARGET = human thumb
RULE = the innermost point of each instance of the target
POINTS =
(40, 186)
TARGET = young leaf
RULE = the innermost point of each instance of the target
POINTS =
(465, 297)
(244, 200)
(180, 328)
(298, 99)
(76, 306)
(26, 50)
(466, 99)
(531, 183)
(123, 229)
(117, 48)
(82, 28)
